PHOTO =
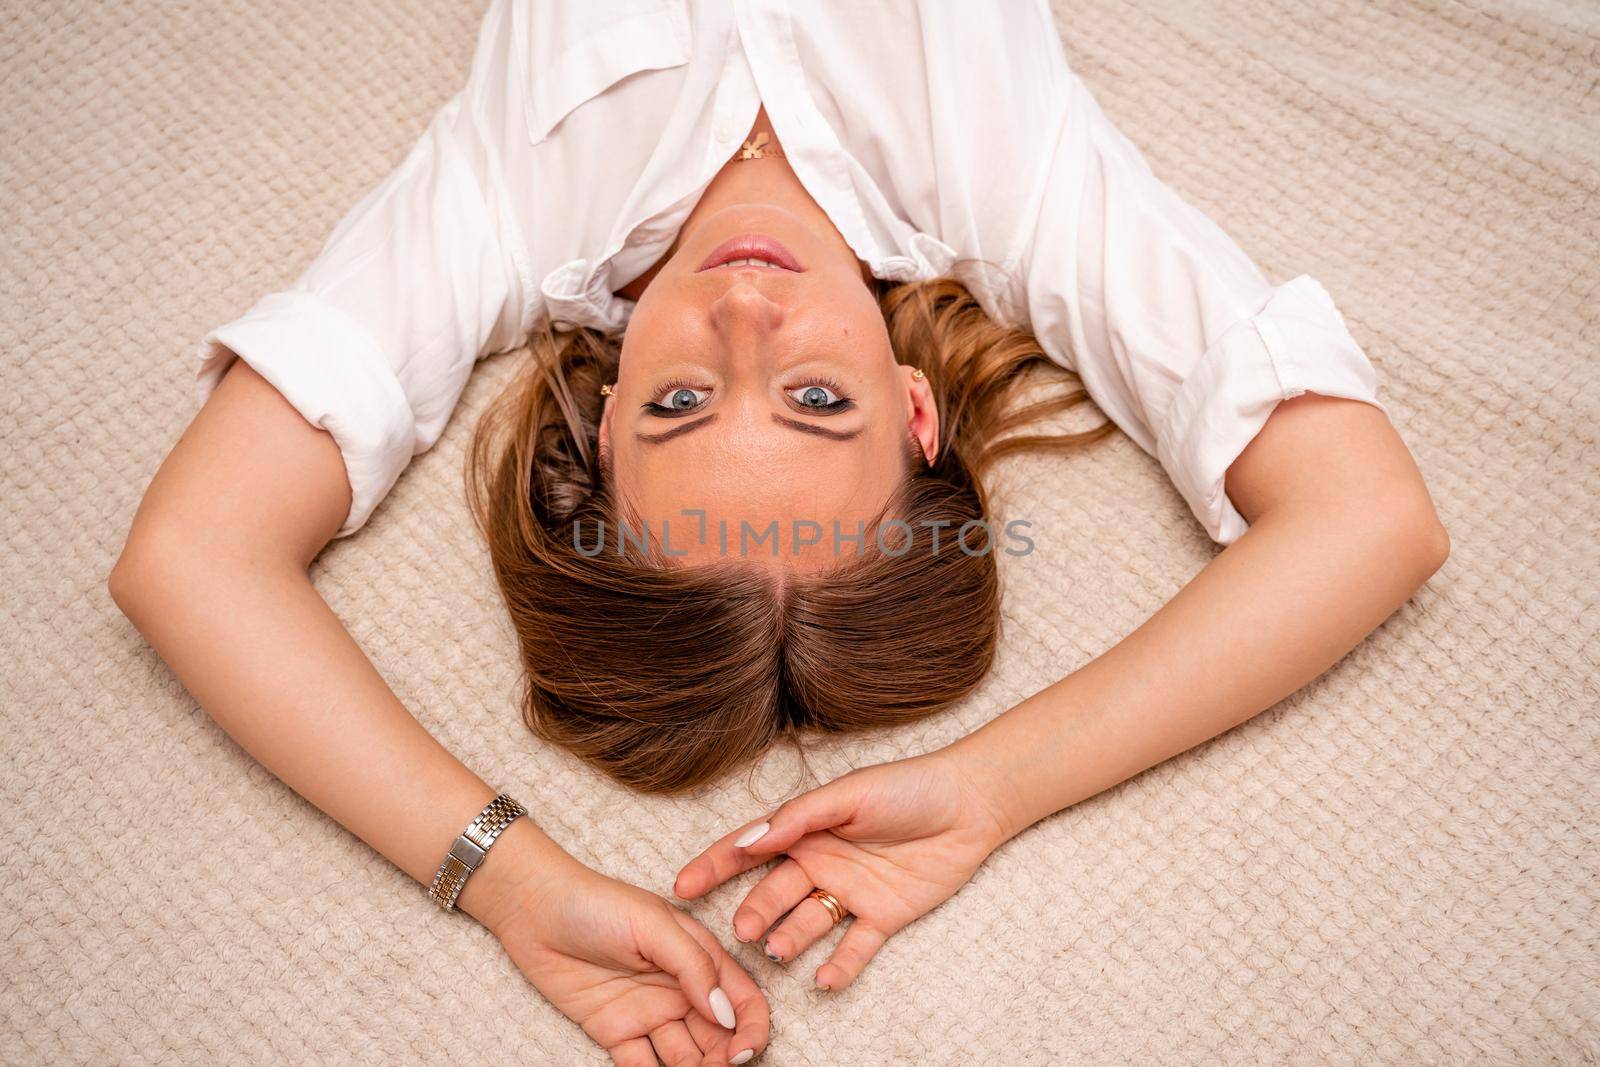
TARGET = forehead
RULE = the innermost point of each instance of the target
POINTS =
(722, 487)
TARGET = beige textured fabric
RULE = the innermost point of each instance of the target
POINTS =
(1397, 865)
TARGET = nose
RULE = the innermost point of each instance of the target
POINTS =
(744, 311)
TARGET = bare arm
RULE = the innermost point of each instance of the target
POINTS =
(1342, 533)
(214, 575)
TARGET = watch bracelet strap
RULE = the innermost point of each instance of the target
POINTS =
(468, 851)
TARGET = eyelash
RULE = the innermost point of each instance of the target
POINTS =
(844, 403)
(670, 387)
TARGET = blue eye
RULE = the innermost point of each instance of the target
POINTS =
(675, 399)
(818, 397)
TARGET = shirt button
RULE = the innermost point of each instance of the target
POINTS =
(727, 132)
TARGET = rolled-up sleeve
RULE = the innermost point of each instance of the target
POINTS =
(424, 276)
(1173, 329)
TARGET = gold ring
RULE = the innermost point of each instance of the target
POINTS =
(829, 901)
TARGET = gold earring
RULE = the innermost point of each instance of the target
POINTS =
(606, 390)
(917, 375)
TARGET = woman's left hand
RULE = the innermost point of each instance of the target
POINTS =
(890, 842)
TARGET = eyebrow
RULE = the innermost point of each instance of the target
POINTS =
(813, 428)
(793, 424)
(676, 431)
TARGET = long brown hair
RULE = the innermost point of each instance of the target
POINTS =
(665, 677)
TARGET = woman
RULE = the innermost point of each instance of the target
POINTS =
(781, 270)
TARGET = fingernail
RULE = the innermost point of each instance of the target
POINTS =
(722, 1008)
(771, 955)
(752, 835)
(743, 1057)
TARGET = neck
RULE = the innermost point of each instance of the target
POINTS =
(766, 180)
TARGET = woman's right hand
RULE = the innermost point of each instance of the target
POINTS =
(638, 974)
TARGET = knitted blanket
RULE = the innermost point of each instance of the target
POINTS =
(1397, 864)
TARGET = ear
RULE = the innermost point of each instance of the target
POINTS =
(923, 420)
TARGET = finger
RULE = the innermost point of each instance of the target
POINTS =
(715, 1042)
(754, 843)
(714, 866)
(674, 1044)
(783, 887)
(634, 1052)
(670, 946)
(808, 921)
(858, 945)
(636, 1013)
(707, 1034)
(754, 1015)
(823, 808)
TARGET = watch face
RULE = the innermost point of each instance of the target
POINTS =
(468, 852)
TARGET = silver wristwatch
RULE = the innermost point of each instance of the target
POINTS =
(466, 855)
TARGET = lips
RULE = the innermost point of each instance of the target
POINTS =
(752, 246)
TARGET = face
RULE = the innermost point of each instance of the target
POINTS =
(760, 393)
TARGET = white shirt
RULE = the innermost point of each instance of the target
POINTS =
(930, 132)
